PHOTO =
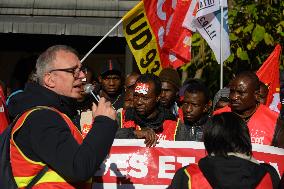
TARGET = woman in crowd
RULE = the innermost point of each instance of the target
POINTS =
(229, 163)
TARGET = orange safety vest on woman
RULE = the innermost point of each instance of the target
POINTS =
(261, 125)
(168, 132)
(196, 179)
(25, 169)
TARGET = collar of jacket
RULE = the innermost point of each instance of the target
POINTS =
(153, 123)
(37, 95)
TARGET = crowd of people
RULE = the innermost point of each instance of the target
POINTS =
(62, 126)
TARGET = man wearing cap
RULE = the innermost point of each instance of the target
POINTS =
(111, 83)
(170, 88)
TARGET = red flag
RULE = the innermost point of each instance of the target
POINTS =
(268, 73)
(148, 30)
(174, 41)
(178, 41)
(159, 14)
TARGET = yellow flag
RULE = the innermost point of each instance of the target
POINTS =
(141, 40)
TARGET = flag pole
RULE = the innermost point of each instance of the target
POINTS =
(221, 45)
(96, 45)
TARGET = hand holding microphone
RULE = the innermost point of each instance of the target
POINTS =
(89, 88)
(103, 108)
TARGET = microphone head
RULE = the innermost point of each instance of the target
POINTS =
(88, 88)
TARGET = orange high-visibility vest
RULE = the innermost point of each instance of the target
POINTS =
(261, 125)
(25, 169)
(196, 179)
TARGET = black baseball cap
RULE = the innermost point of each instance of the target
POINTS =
(110, 67)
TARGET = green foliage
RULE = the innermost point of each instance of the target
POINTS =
(255, 29)
(243, 55)
(258, 33)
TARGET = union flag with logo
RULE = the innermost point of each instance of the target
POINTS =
(268, 73)
(154, 33)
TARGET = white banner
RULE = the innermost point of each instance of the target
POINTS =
(131, 165)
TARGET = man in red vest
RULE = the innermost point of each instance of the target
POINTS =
(244, 101)
(147, 119)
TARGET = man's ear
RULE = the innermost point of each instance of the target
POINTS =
(49, 80)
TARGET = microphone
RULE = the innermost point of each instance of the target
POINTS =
(88, 88)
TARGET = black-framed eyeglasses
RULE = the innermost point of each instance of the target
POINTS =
(75, 71)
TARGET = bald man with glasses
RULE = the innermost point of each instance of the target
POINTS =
(44, 137)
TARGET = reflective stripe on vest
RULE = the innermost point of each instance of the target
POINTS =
(25, 169)
(196, 178)
(175, 134)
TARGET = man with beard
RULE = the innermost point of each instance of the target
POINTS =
(147, 119)
(244, 101)
(110, 80)
(170, 88)
(194, 113)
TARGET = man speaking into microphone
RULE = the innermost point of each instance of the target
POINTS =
(45, 136)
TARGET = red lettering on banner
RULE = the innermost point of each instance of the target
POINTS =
(141, 166)
(137, 164)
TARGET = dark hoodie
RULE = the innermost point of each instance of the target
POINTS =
(231, 172)
(224, 173)
(46, 137)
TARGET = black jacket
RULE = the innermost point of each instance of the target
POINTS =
(192, 131)
(46, 137)
(226, 173)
